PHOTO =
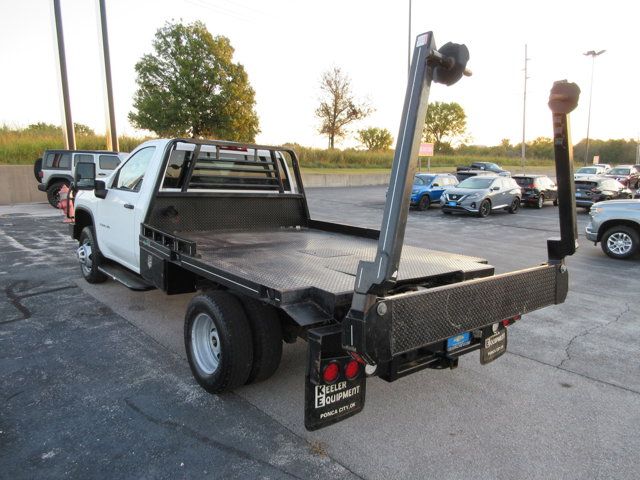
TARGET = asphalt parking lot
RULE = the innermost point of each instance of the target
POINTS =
(94, 381)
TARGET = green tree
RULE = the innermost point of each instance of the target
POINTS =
(444, 120)
(190, 86)
(338, 107)
(375, 139)
(541, 147)
(82, 129)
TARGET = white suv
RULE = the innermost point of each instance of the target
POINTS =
(56, 168)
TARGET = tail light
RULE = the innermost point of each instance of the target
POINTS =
(41, 174)
(352, 370)
(331, 372)
(508, 321)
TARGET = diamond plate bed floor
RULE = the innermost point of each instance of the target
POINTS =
(289, 260)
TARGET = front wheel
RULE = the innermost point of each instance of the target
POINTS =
(424, 203)
(515, 205)
(540, 202)
(89, 257)
(485, 209)
(620, 242)
(218, 341)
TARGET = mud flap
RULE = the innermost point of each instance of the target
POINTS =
(327, 403)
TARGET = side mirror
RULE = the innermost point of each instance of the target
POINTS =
(101, 189)
(435, 185)
(85, 176)
(495, 188)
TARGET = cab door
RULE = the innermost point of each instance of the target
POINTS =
(121, 212)
(105, 165)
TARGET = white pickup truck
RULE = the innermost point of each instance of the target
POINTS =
(231, 221)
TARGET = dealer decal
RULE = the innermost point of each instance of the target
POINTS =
(330, 394)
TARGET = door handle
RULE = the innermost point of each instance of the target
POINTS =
(102, 174)
(129, 206)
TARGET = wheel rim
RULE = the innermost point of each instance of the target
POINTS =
(619, 243)
(484, 209)
(84, 257)
(515, 205)
(205, 344)
(424, 202)
(540, 201)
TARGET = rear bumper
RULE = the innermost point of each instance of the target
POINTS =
(414, 320)
(42, 187)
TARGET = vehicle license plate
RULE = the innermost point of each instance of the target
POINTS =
(493, 346)
(458, 341)
(452, 204)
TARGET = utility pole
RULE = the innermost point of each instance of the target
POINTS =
(112, 135)
(67, 124)
(524, 108)
(593, 54)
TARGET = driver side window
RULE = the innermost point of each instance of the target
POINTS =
(132, 173)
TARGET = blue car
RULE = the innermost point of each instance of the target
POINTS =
(428, 187)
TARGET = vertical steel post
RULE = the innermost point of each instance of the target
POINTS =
(112, 135)
(67, 124)
(563, 99)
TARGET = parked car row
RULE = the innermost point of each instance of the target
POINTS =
(627, 175)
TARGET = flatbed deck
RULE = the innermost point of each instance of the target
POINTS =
(298, 263)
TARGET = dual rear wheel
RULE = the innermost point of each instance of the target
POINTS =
(231, 340)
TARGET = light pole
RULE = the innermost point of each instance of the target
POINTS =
(593, 54)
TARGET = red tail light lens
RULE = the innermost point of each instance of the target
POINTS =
(352, 370)
(41, 174)
(331, 372)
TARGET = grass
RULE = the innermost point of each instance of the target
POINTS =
(19, 147)
(22, 147)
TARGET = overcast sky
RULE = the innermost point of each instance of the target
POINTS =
(285, 45)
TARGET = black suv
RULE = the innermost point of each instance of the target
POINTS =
(537, 189)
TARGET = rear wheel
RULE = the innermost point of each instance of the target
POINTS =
(53, 193)
(485, 209)
(266, 333)
(89, 257)
(540, 202)
(620, 242)
(218, 341)
(555, 202)
(424, 203)
(515, 206)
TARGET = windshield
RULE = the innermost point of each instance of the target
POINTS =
(523, 181)
(422, 179)
(590, 170)
(620, 171)
(476, 182)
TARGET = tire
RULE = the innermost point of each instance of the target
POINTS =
(89, 257)
(218, 341)
(424, 203)
(515, 206)
(620, 242)
(53, 193)
(446, 213)
(485, 208)
(555, 202)
(266, 334)
(37, 168)
(540, 202)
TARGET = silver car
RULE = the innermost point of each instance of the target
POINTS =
(482, 195)
(616, 225)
